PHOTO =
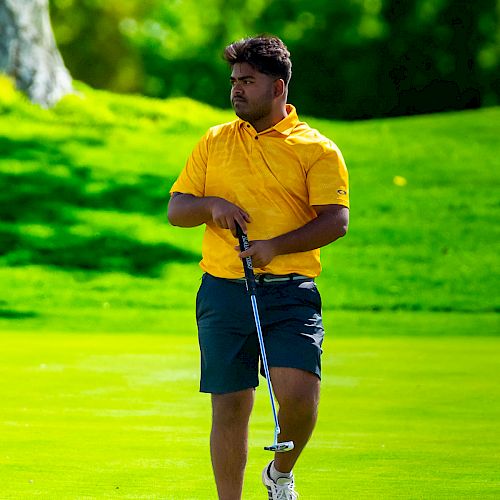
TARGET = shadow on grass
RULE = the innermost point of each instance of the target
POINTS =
(50, 192)
(104, 252)
(13, 314)
(43, 150)
(59, 179)
(38, 197)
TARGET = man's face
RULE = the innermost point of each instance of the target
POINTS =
(252, 92)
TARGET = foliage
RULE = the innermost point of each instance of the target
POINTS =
(356, 59)
(390, 58)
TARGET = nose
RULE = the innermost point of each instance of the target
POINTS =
(237, 89)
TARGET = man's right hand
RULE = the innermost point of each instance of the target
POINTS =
(186, 210)
(225, 213)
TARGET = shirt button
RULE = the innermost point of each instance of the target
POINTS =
(256, 137)
(248, 125)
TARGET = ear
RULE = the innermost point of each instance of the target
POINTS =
(279, 87)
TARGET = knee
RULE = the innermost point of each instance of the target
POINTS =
(297, 392)
(233, 408)
(302, 406)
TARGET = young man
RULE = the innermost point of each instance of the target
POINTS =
(286, 186)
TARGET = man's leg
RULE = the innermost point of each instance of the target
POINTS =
(297, 392)
(229, 440)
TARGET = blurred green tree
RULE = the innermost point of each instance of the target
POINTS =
(93, 45)
(181, 45)
(334, 47)
(369, 58)
(354, 59)
(433, 56)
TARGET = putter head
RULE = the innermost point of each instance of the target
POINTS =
(280, 447)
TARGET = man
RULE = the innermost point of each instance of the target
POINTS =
(286, 186)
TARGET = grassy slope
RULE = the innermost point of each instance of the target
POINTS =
(85, 190)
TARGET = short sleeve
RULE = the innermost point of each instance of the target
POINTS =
(192, 178)
(327, 178)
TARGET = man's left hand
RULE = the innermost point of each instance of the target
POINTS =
(262, 253)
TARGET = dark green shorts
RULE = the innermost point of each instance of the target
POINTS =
(290, 315)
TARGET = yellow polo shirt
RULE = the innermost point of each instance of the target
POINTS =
(276, 176)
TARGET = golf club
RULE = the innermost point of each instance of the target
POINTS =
(252, 291)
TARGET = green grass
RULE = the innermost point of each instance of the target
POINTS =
(119, 416)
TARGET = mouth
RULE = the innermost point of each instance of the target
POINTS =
(237, 100)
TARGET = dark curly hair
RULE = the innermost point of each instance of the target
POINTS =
(266, 53)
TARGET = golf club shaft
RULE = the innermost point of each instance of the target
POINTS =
(252, 290)
(265, 365)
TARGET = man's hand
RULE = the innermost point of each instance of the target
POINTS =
(224, 214)
(329, 225)
(186, 210)
(262, 252)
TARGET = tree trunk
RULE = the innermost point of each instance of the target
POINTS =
(28, 51)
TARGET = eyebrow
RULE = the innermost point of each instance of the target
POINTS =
(242, 78)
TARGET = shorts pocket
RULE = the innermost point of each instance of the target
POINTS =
(309, 294)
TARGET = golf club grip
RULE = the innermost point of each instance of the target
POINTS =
(247, 262)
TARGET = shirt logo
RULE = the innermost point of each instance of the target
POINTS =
(341, 191)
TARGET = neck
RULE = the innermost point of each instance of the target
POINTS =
(271, 120)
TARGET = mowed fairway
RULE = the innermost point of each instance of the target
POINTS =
(119, 415)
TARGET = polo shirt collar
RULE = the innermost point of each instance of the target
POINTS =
(286, 125)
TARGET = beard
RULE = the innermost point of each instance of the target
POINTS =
(254, 109)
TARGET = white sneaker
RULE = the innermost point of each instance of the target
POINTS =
(282, 489)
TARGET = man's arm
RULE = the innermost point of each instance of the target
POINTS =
(186, 210)
(330, 224)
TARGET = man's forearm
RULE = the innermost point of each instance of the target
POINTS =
(327, 227)
(186, 210)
